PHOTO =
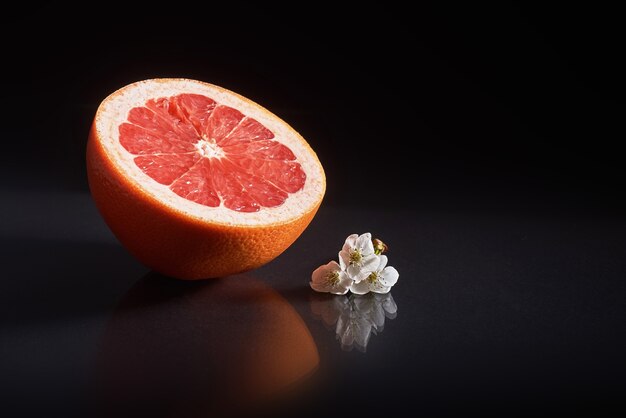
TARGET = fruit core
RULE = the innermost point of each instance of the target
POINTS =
(208, 148)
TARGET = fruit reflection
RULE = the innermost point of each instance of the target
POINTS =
(222, 347)
(355, 317)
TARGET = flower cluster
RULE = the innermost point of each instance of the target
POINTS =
(362, 268)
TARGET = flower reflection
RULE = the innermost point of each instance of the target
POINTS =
(355, 317)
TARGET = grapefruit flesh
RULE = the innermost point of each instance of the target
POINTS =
(209, 153)
(197, 181)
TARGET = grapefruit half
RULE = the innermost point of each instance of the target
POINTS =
(197, 181)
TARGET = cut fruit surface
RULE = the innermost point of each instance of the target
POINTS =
(198, 181)
(210, 153)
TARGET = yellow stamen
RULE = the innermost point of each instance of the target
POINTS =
(332, 278)
(355, 256)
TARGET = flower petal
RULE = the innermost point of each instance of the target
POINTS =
(318, 274)
(350, 242)
(383, 262)
(371, 263)
(333, 266)
(319, 282)
(340, 288)
(360, 288)
(344, 259)
(389, 276)
(321, 272)
(364, 243)
(357, 273)
(380, 288)
(345, 280)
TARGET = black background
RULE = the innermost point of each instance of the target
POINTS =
(456, 131)
(505, 103)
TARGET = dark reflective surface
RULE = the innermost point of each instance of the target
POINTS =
(482, 143)
(222, 348)
(505, 314)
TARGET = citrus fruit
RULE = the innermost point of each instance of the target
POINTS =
(197, 181)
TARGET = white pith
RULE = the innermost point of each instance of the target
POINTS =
(208, 148)
(114, 111)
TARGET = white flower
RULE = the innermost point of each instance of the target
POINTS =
(379, 280)
(357, 256)
(331, 278)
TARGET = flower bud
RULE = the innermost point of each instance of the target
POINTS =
(379, 246)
